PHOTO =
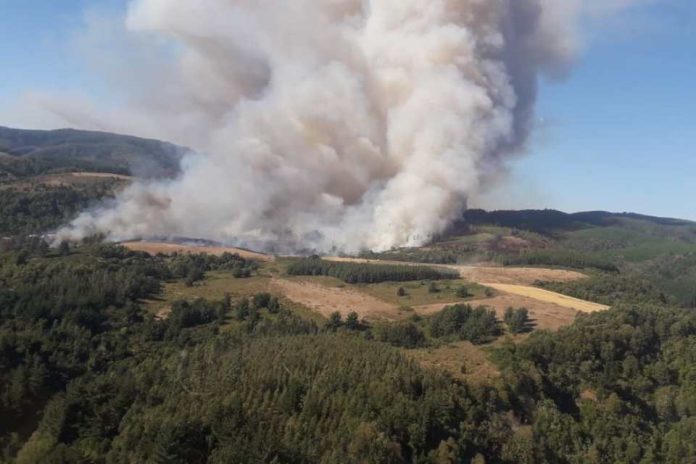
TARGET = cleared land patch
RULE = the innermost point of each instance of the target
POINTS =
(170, 248)
(326, 300)
(462, 360)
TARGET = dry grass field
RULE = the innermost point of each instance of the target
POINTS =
(171, 248)
(326, 300)
(515, 275)
(462, 360)
(546, 296)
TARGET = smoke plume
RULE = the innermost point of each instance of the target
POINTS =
(328, 124)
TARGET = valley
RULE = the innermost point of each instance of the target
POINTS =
(510, 326)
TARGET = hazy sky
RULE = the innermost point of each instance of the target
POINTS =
(618, 134)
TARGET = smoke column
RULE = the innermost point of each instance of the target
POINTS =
(331, 124)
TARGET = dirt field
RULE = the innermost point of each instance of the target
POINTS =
(170, 248)
(102, 175)
(326, 300)
(546, 296)
(515, 275)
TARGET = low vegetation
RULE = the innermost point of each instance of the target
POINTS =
(45, 208)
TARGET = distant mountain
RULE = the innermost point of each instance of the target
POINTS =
(549, 221)
(69, 149)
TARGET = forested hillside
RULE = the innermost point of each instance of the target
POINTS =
(48, 177)
(34, 152)
(88, 374)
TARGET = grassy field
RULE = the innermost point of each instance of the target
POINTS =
(417, 293)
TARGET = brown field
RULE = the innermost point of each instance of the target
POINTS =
(170, 248)
(102, 175)
(515, 275)
(462, 360)
(326, 300)
(546, 296)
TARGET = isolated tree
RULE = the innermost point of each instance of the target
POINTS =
(401, 292)
(335, 321)
(352, 321)
(433, 288)
(64, 248)
(273, 305)
(242, 310)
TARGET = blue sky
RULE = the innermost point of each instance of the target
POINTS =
(618, 134)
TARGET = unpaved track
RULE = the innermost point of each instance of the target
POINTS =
(326, 300)
(549, 297)
(169, 248)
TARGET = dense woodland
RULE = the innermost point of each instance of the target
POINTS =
(87, 375)
(33, 152)
(354, 273)
(45, 208)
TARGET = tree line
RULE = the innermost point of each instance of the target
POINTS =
(354, 273)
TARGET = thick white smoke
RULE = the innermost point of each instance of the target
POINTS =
(331, 124)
